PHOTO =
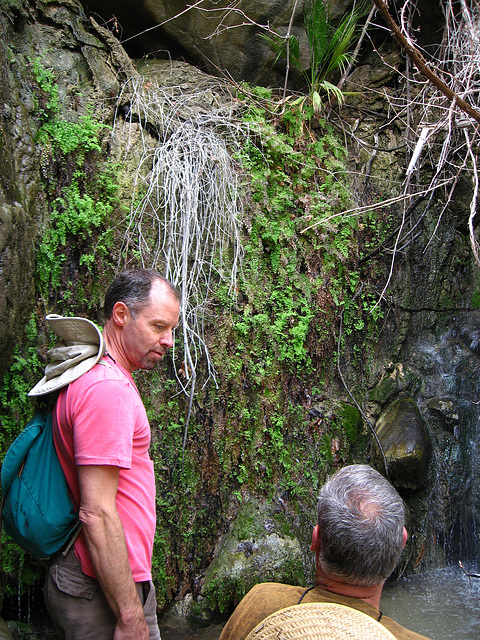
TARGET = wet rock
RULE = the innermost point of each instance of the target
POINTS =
(444, 413)
(396, 378)
(405, 442)
(19, 201)
(467, 327)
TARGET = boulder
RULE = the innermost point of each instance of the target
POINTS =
(222, 41)
(405, 442)
(260, 546)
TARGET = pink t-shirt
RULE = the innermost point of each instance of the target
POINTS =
(100, 420)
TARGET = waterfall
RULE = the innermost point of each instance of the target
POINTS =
(449, 399)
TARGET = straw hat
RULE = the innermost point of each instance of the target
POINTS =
(319, 621)
(80, 347)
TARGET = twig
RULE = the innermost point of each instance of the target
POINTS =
(160, 24)
(469, 575)
(421, 64)
(357, 49)
(376, 251)
(394, 252)
(362, 413)
(287, 69)
(369, 207)
(233, 8)
(368, 166)
(473, 201)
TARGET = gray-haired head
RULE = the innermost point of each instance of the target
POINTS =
(132, 287)
(361, 519)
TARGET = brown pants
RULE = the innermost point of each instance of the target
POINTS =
(78, 607)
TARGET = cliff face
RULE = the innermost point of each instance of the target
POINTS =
(307, 356)
(18, 196)
(83, 60)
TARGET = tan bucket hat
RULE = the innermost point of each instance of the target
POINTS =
(319, 621)
(80, 347)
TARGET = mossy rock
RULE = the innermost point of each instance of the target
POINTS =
(351, 421)
(260, 546)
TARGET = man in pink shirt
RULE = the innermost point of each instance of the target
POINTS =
(102, 588)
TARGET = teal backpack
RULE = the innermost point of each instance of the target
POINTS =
(37, 510)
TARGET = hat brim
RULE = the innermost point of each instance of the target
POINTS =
(71, 331)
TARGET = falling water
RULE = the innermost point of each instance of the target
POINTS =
(449, 399)
(176, 628)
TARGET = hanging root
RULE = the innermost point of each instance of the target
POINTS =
(186, 210)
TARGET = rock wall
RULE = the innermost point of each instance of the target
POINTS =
(20, 205)
(86, 60)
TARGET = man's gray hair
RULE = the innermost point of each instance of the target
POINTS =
(133, 287)
(361, 519)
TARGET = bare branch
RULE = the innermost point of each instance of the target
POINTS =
(357, 49)
(421, 64)
(287, 36)
(347, 389)
(469, 575)
(473, 202)
(160, 24)
(227, 11)
(370, 207)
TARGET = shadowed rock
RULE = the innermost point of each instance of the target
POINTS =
(405, 442)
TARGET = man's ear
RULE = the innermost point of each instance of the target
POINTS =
(120, 314)
(405, 537)
(315, 546)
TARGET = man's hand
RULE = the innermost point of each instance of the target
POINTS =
(136, 629)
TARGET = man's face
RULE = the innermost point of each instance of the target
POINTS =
(147, 336)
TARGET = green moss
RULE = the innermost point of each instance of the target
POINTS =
(82, 193)
(383, 390)
(25, 370)
(351, 421)
(476, 296)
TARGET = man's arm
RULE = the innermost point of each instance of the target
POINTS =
(108, 551)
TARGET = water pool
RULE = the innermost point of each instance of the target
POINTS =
(443, 604)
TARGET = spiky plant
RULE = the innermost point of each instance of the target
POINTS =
(329, 48)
